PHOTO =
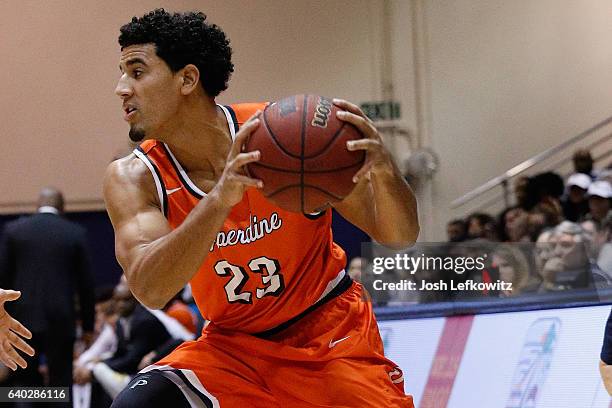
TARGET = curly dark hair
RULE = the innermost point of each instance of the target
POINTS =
(181, 39)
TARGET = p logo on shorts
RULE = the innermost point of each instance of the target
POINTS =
(139, 382)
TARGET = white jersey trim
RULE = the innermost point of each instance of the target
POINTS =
(331, 285)
(190, 396)
(183, 174)
(158, 183)
(230, 121)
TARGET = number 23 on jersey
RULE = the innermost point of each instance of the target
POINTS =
(272, 283)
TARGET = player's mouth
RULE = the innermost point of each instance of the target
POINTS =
(129, 112)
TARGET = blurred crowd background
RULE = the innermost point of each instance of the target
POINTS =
(556, 237)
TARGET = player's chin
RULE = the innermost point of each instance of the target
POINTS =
(137, 134)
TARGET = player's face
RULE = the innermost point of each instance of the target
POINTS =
(149, 91)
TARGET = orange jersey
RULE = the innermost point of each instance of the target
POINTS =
(267, 265)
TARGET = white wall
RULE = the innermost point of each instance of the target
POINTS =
(508, 80)
(61, 122)
(488, 84)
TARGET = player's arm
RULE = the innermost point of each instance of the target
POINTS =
(157, 260)
(382, 203)
(605, 362)
(605, 371)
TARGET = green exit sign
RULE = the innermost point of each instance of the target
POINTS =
(386, 110)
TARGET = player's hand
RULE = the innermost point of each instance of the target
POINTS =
(606, 375)
(378, 159)
(87, 338)
(11, 333)
(81, 375)
(234, 181)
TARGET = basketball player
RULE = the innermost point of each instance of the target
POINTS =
(288, 327)
(11, 334)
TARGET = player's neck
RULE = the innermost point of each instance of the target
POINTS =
(200, 138)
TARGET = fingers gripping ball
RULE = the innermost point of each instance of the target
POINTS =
(304, 163)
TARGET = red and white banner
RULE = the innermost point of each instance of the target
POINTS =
(534, 359)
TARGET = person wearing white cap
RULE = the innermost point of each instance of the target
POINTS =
(599, 194)
(575, 204)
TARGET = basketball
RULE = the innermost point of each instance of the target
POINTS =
(304, 165)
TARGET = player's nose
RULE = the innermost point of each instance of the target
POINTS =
(123, 89)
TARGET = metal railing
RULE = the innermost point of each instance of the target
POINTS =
(503, 179)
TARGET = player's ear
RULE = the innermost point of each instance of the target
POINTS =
(190, 76)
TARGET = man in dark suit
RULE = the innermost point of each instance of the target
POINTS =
(44, 256)
(138, 333)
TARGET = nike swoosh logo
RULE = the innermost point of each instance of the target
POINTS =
(333, 343)
(174, 190)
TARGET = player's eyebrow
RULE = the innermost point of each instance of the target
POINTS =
(133, 61)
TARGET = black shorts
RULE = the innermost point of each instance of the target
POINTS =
(161, 389)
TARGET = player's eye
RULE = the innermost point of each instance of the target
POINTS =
(137, 73)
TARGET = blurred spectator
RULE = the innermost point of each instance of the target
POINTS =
(138, 332)
(599, 194)
(537, 221)
(481, 225)
(190, 302)
(544, 193)
(433, 274)
(356, 267)
(179, 333)
(545, 246)
(513, 267)
(178, 310)
(456, 230)
(605, 175)
(583, 162)
(604, 256)
(514, 225)
(45, 257)
(575, 203)
(103, 347)
(104, 315)
(520, 191)
(544, 249)
(568, 266)
(105, 309)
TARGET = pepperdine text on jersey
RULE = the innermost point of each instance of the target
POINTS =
(256, 229)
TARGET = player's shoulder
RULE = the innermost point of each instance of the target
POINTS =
(128, 176)
(129, 169)
(245, 110)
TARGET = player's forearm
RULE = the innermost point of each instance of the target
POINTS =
(395, 209)
(605, 371)
(168, 263)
